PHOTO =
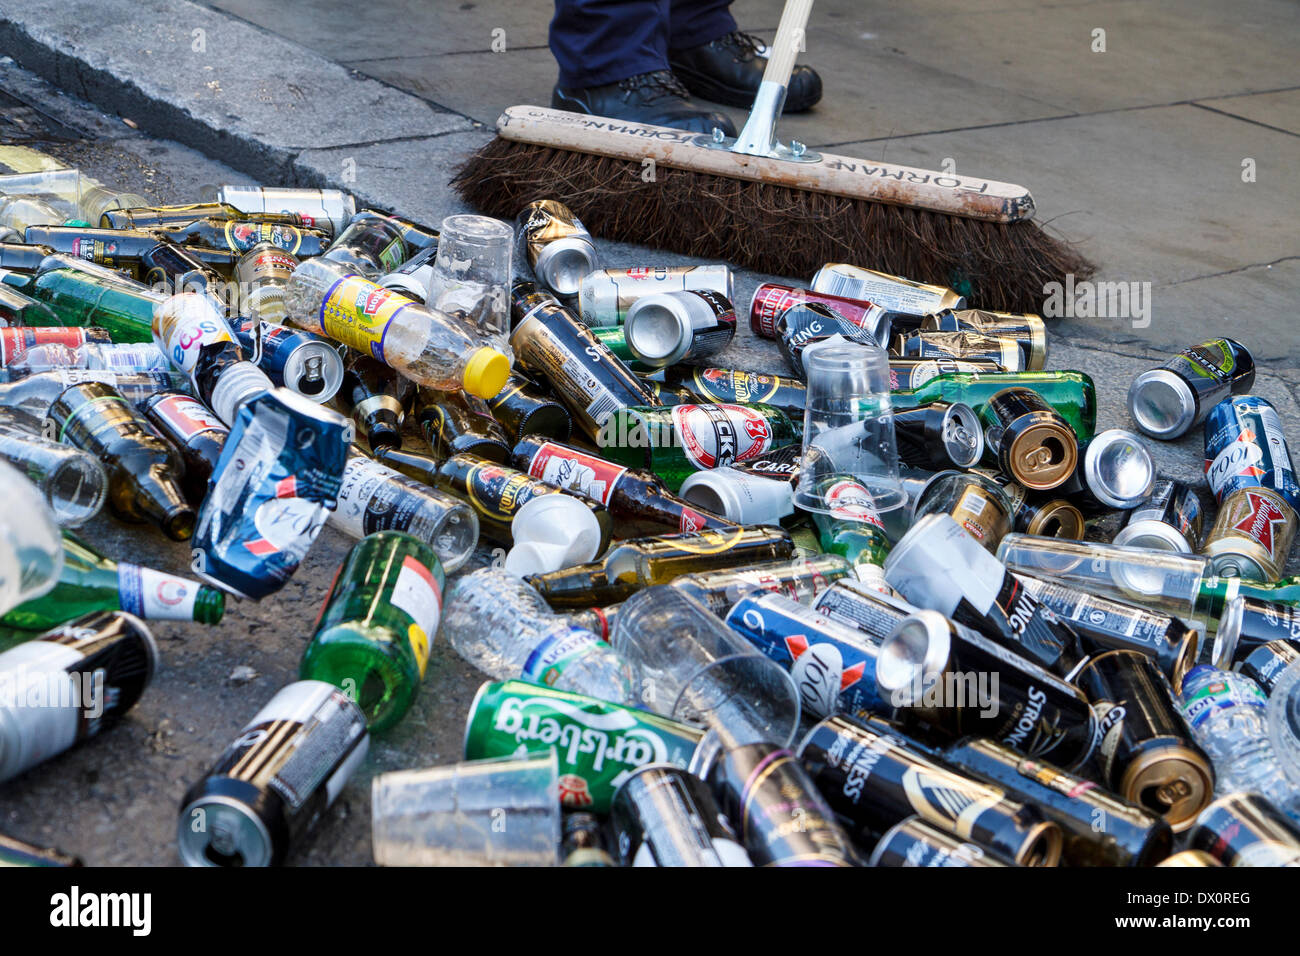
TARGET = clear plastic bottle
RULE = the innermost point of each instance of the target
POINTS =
(31, 548)
(125, 357)
(505, 628)
(425, 345)
(1228, 714)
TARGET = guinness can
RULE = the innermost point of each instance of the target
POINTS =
(875, 778)
(916, 843)
(1029, 439)
(1244, 829)
(782, 818)
(664, 816)
(1099, 828)
(1146, 752)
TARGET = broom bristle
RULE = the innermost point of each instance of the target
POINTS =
(773, 229)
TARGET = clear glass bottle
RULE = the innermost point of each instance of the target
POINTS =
(31, 549)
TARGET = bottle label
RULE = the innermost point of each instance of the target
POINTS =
(154, 595)
(567, 468)
(849, 500)
(416, 593)
(717, 436)
(358, 313)
(498, 491)
(1219, 694)
(373, 498)
(728, 385)
(556, 651)
(1212, 360)
(187, 417)
(184, 324)
(133, 357)
(242, 236)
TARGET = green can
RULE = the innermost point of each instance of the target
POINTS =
(598, 743)
(372, 639)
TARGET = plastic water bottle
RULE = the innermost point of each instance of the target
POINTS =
(1228, 714)
(505, 628)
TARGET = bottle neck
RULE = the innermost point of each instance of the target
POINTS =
(158, 497)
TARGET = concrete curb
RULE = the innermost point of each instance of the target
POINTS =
(233, 91)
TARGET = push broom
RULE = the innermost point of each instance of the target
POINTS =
(777, 209)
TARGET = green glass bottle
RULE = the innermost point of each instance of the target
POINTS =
(372, 639)
(1071, 393)
(852, 529)
(1214, 592)
(16, 308)
(678, 441)
(82, 298)
(615, 340)
(91, 582)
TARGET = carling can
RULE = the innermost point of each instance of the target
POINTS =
(771, 301)
(599, 743)
(1252, 535)
(833, 664)
(605, 296)
(1245, 447)
(84, 675)
(273, 783)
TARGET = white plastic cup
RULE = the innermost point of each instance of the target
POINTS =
(552, 532)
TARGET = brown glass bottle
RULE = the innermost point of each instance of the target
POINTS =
(523, 408)
(22, 256)
(639, 501)
(240, 235)
(163, 217)
(119, 248)
(144, 471)
(455, 422)
(176, 269)
(496, 492)
(375, 397)
(195, 431)
(642, 562)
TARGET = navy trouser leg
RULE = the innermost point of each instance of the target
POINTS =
(696, 22)
(601, 41)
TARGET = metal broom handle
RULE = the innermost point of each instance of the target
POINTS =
(758, 138)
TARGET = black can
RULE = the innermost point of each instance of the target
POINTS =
(457, 423)
(1166, 402)
(1027, 329)
(782, 818)
(582, 841)
(1266, 663)
(942, 676)
(875, 778)
(275, 780)
(1037, 513)
(664, 816)
(1103, 624)
(1172, 519)
(915, 843)
(1005, 351)
(521, 408)
(1029, 439)
(939, 436)
(1146, 752)
(1100, 829)
(801, 325)
(1248, 623)
(1244, 829)
(780, 464)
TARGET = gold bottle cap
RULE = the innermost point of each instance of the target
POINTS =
(1043, 454)
(1174, 781)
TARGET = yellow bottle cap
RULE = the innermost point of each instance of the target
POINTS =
(486, 373)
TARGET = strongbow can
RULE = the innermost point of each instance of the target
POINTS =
(599, 743)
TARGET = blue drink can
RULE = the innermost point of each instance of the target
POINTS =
(1245, 447)
(301, 361)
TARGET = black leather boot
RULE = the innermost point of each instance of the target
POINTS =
(657, 98)
(729, 69)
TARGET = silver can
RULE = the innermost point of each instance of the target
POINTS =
(271, 785)
(671, 327)
(1172, 519)
(604, 297)
(892, 292)
(1117, 469)
(557, 245)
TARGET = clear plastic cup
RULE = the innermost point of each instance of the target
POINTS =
(471, 275)
(503, 812)
(692, 667)
(848, 427)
